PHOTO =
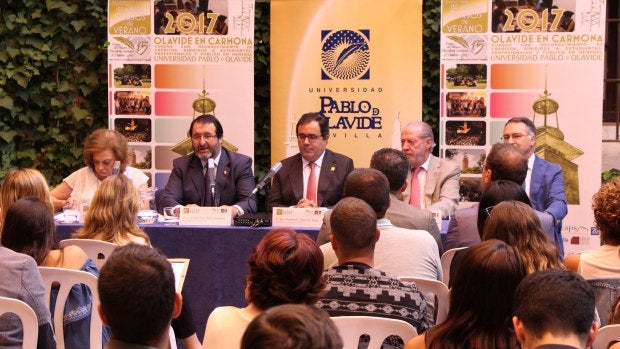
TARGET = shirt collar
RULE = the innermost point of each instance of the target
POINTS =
(426, 163)
(216, 160)
(318, 161)
(530, 162)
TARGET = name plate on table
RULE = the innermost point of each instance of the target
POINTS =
(196, 215)
(295, 217)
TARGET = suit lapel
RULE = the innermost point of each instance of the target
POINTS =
(196, 175)
(328, 167)
(222, 174)
(432, 175)
(536, 181)
(296, 178)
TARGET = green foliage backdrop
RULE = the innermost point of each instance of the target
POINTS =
(53, 89)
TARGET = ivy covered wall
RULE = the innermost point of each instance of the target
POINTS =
(53, 89)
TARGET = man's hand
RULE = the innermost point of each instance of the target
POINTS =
(306, 203)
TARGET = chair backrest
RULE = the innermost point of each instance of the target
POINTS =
(66, 278)
(378, 328)
(436, 293)
(30, 325)
(97, 250)
(446, 260)
(605, 336)
(605, 293)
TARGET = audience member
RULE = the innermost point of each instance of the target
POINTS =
(400, 252)
(544, 183)
(23, 182)
(189, 181)
(285, 267)
(394, 165)
(516, 224)
(434, 181)
(355, 286)
(21, 280)
(101, 149)
(29, 228)
(315, 176)
(604, 261)
(554, 309)
(506, 164)
(480, 301)
(138, 298)
(292, 326)
(112, 215)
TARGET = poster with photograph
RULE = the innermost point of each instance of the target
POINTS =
(516, 58)
(164, 55)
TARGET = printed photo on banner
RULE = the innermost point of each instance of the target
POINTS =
(466, 133)
(533, 16)
(132, 76)
(466, 104)
(135, 130)
(466, 76)
(132, 103)
(195, 17)
(470, 160)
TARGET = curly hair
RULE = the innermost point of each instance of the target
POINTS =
(106, 139)
(285, 267)
(606, 207)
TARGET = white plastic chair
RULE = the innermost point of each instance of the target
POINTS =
(97, 250)
(605, 336)
(378, 328)
(30, 325)
(66, 278)
(439, 290)
(446, 260)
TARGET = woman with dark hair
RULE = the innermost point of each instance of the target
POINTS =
(29, 228)
(497, 192)
(285, 267)
(517, 224)
(480, 301)
(604, 261)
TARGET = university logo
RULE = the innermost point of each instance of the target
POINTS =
(345, 55)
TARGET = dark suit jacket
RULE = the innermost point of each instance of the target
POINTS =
(463, 228)
(287, 187)
(234, 182)
(547, 194)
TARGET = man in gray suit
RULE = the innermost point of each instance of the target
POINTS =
(436, 180)
(504, 162)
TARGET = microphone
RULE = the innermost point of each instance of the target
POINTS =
(261, 183)
(212, 180)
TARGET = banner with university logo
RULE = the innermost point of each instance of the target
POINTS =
(359, 62)
(170, 61)
(538, 59)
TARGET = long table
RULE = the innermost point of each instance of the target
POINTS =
(218, 261)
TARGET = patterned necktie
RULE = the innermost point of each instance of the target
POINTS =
(414, 197)
(311, 190)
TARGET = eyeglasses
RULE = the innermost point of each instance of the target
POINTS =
(514, 136)
(208, 137)
(311, 137)
(488, 209)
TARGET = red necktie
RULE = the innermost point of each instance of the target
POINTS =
(414, 197)
(311, 190)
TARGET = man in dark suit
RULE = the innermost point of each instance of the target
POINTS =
(189, 181)
(292, 185)
(544, 183)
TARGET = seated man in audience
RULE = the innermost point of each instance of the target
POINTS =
(433, 182)
(354, 286)
(504, 162)
(190, 180)
(315, 176)
(401, 252)
(554, 308)
(394, 165)
(138, 297)
(21, 280)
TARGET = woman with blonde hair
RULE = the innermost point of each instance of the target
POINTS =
(22, 182)
(112, 214)
(102, 149)
(518, 225)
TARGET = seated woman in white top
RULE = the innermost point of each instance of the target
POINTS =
(112, 215)
(101, 149)
(285, 267)
(603, 262)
